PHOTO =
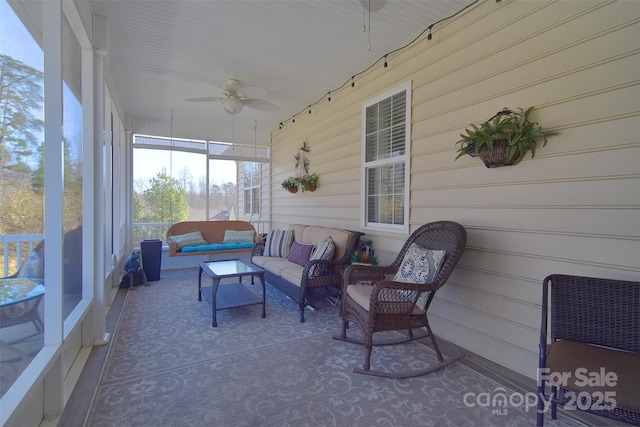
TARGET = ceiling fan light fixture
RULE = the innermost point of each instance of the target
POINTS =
(232, 105)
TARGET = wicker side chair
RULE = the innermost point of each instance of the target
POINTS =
(376, 303)
(592, 360)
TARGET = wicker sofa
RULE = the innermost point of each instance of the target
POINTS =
(306, 281)
(212, 241)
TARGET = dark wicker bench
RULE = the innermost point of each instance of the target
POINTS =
(593, 359)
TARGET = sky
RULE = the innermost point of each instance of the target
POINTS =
(147, 163)
(15, 41)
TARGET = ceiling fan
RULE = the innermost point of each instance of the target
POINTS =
(236, 96)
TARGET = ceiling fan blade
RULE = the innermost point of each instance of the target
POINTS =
(204, 99)
(261, 104)
(251, 92)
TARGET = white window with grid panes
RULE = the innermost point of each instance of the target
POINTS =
(386, 125)
(251, 188)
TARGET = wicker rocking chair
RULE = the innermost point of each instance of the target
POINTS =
(376, 303)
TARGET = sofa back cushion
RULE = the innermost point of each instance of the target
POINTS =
(315, 235)
(278, 243)
(212, 231)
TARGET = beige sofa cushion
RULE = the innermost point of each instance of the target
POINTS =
(316, 234)
(290, 271)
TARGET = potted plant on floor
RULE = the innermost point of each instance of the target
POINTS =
(291, 184)
(504, 139)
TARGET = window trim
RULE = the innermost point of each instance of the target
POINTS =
(257, 174)
(406, 158)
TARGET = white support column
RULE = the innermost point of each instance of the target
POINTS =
(88, 184)
(101, 337)
(54, 196)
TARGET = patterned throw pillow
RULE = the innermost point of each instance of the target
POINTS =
(300, 253)
(419, 265)
(278, 243)
(189, 239)
(233, 236)
(325, 250)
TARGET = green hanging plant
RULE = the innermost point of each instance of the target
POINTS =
(505, 139)
(309, 182)
(291, 184)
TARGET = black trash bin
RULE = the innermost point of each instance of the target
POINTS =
(151, 253)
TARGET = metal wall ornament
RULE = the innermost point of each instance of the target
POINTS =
(304, 180)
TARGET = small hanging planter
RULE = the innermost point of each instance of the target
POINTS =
(291, 184)
(309, 182)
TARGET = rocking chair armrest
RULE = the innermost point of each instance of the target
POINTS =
(356, 272)
(390, 284)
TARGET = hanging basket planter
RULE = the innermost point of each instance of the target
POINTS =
(309, 182)
(498, 156)
(504, 139)
(291, 184)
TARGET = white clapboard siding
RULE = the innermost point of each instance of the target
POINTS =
(574, 208)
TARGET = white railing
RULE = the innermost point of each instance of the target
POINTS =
(149, 231)
(15, 248)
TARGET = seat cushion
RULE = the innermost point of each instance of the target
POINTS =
(598, 366)
(292, 275)
(276, 265)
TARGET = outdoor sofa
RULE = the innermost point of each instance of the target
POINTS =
(211, 237)
(306, 262)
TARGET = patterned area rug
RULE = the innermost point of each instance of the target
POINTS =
(168, 367)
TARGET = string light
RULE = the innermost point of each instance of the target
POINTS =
(384, 57)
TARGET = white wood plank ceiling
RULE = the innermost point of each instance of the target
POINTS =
(163, 52)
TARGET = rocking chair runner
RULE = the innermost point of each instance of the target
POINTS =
(375, 303)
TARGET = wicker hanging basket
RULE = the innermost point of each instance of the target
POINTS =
(497, 157)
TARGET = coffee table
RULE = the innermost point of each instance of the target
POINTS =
(229, 295)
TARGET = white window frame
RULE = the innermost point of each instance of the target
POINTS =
(405, 158)
(254, 179)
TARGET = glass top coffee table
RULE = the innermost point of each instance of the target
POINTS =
(229, 295)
